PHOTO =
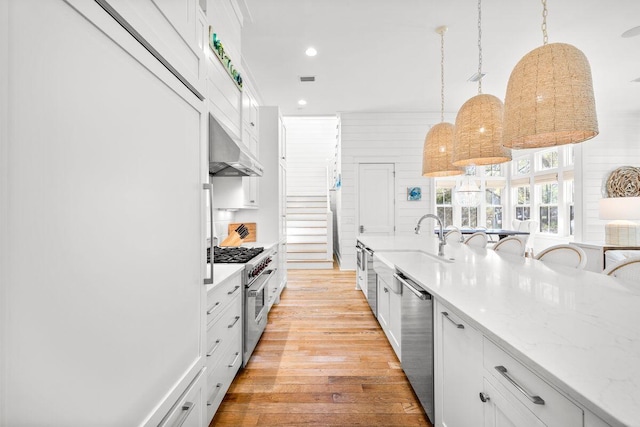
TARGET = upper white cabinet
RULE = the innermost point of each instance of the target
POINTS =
(223, 94)
(250, 120)
(173, 28)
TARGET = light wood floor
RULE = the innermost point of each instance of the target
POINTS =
(322, 360)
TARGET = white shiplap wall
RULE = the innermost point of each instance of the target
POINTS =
(397, 138)
(618, 144)
(311, 145)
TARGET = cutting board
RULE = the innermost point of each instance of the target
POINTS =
(251, 226)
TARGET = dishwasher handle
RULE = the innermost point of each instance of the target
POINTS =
(415, 289)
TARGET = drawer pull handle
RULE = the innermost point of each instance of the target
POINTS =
(234, 360)
(212, 309)
(386, 291)
(186, 410)
(233, 291)
(535, 399)
(234, 322)
(484, 397)
(214, 394)
(458, 325)
(213, 350)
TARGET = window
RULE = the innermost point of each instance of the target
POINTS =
(493, 170)
(444, 206)
(548, 207)
(469, 217)
(522, 203)
(522, 166)
(493, 199)
(548, 159)
(537, 185)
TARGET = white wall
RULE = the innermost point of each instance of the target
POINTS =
(396, 138)
(310, 150)
(618, 144)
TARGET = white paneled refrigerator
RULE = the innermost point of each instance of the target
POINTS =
(102, 218)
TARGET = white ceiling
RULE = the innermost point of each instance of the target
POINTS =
(384, 55)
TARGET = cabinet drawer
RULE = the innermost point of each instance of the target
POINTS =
(224, 331)
(187, 411)
(220, 378)
(218, 297)
(553, 408)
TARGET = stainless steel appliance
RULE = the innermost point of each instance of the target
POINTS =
(255, 279)
(368, 276)
(417, 341)
(227, 157)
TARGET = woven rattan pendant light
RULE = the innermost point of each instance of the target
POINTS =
(436, 154)
(549, 98)
(478, 130)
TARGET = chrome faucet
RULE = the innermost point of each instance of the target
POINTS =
(441, 241)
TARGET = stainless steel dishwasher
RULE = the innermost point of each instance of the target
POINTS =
(417, 341)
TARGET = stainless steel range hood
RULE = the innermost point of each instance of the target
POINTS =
(227, 157)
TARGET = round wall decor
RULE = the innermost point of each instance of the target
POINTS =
(624, 182)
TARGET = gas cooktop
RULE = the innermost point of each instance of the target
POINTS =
(234, 254)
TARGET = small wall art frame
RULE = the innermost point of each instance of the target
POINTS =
(414, 193)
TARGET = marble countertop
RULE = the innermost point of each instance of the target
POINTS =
(579, 330)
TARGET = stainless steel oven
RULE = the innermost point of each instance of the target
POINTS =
(257, 274)
(259, 268)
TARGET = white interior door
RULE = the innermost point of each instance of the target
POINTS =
(376, 201)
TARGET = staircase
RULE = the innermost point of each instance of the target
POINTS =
(309, 233)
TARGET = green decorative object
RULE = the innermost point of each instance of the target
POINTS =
(216, 46)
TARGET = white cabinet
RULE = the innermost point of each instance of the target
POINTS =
(175, 29)
(223, 95)
(224, 340)
(458, 369)
(390, 311)
(251, 191)
(250, 120)
(279, 281)
(187, 411)
(476, 379)
(502, 410)
(527, 392)
(119, 142)
(270, 217)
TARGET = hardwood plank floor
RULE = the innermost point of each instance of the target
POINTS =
(323, 360)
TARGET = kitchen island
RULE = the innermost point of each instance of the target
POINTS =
(578, 331)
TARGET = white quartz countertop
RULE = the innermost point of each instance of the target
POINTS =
(579, 330)
(222, 272)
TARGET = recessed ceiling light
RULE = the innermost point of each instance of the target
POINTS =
(302, 102)
(311, 52)
(631, 32)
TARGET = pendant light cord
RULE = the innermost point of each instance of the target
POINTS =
(442, 76)
(480, 46)
(545, 38)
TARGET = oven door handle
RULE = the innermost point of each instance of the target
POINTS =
(260, 283)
